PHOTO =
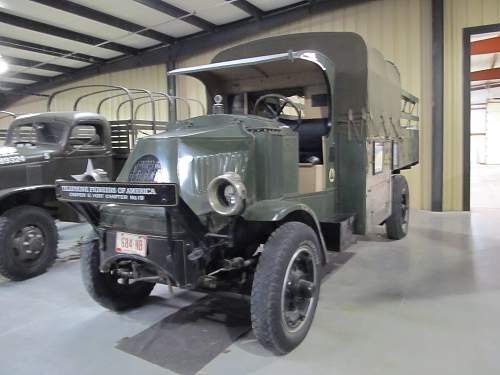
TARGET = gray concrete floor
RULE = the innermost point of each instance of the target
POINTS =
(428, 304)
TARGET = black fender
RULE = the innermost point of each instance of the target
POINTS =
(43, 196)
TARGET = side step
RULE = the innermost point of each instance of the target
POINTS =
(338, 232)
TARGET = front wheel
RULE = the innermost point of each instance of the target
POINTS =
(286, 286)
(28, 242)
(105, 288)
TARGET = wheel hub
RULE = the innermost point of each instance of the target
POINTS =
(29, 243)
(298, 289)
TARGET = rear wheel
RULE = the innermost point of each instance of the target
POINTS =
(286, 287)
(397, 224)
(106, 289)
(28, 242)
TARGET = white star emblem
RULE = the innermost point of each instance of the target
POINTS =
(86, 174)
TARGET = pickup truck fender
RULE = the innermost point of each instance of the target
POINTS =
(38, 195)
(274, 210)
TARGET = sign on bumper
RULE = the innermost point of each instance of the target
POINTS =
(136, 193)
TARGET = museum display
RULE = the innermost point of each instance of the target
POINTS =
(304, 147)
(40, 148)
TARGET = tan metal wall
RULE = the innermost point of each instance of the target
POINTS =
(153, 78)
(401, 30)
(459, 14)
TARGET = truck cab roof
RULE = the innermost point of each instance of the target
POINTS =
(67, 118)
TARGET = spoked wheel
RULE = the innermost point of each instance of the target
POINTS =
(397, 224)
(286, 287)
(28, 242)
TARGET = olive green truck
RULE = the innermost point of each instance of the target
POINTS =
(304, 146)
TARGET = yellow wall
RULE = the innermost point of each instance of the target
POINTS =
(401, 30)
(152, 78)
(459, 14)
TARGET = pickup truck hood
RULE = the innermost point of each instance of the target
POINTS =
(22, 155)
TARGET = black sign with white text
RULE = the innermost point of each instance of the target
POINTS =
(135, 193)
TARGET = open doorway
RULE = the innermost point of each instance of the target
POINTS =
(482, 121)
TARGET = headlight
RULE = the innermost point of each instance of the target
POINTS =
(227, 194)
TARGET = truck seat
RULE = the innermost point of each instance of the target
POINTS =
(311, 132)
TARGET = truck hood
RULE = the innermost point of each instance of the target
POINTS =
(10, 155)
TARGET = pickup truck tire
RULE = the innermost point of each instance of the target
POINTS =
(286, 286)
(28, 242)
(396, 225)
(104, 287)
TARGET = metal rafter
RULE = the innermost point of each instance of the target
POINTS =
(31, 63)
(28, 76)
(11, 85)
(52, 51)
(248, 8)
(41, 27)
(175, 12)
(107, 19)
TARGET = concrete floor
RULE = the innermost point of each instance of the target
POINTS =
(428, 304)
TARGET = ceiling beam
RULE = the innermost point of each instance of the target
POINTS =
(44, 28)
(27, 76)
(46, 50)
(485, 87)
(485, 46)
(248, 8)
(31, 63)
(175, 12)
(485, 75)
(105, 18)
(11, 85)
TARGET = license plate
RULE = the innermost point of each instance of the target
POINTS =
(128, 243)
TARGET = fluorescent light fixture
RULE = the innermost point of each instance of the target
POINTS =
(3, 65)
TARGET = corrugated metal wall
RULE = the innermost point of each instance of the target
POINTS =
(152, 78)
(401, 30)
(459, 14)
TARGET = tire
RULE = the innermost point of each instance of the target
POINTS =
(396, 225)
(28, 242)
(291, 243)
(104, 288)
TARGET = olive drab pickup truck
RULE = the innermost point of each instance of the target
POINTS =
(303, 148)
(40, 148)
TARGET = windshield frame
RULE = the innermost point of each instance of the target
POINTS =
(12, 137)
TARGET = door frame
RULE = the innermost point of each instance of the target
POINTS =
(467, 33)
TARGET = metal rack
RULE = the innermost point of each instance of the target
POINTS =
(126, 131)
(3, 132)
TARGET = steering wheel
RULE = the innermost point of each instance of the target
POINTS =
(277, 113)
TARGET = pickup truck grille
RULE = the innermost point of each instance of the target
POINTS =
(145, 169)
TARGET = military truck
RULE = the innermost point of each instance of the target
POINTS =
(304, 146)
(42, 147)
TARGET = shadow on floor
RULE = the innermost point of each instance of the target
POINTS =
(187, 340)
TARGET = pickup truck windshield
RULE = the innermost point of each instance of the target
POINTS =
(36, 133)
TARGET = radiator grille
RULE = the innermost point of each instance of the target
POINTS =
(145, 169)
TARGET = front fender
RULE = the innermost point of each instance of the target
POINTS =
(277, 209)
(46, 189)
